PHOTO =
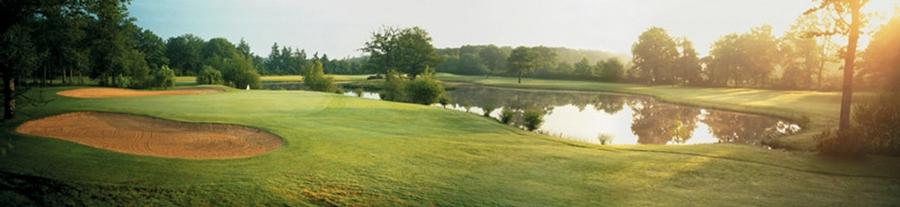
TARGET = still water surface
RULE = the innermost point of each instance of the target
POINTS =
(604, 118)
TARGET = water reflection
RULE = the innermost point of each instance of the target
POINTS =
(617, 119)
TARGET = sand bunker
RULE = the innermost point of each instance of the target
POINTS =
(154, 137)
(118, 92)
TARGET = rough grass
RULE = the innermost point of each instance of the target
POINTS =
(349, 151)
(815, 111)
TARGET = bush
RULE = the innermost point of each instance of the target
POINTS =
(122, 81)
(209, 76)
(394, 87)
(315, 79)
(164, 78)
(239, 73)
(876, 123)
(533, 119)
(424, 90)
(444, 101)
(506, 115)
(833, 143)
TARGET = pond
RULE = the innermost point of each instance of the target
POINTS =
(606, 118)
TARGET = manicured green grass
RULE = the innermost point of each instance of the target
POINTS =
(343, 150)
(282, 78)
(815, 111)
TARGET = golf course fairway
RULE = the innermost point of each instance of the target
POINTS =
(347, 151)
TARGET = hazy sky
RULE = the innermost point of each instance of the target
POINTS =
(340, 27)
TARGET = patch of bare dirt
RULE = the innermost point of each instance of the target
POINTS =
(119, 92)
(154, 137)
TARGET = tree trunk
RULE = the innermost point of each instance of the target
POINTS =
(849, 60)
(520, 78)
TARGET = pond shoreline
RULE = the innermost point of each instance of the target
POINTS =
(812, 122)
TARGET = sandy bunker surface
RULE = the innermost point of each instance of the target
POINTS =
(154, 137)
(118, 92)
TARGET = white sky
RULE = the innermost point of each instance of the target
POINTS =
(340, 27)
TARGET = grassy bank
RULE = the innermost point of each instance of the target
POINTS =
(344, 150)
(816, 111)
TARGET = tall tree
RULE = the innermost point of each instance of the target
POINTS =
(522, 61)
(613, 69)
(184, 53)
(881, 59)
(111, 50)
(585, 70)
(244, 48)
(154, 49)
(843, 9)
(801, 54)
(494, 59)
(687, 67)
(217, 52)
(408, 50)
(654, 54)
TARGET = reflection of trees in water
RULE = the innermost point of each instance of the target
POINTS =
(656, 123)
(491, 98)
(730, 127)
(653, 122)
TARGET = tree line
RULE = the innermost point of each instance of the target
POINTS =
(542, 62)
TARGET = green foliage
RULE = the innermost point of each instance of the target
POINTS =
(550, 62)
(876, 123)
(653, 56)
(533, 119)
(506, 115)
(394, 88)
(743, 59)
(687, 70)
(408, 50)
(239, 73)
(164, 77)
(209, 76)
(153, 47)
(881, 60)
(285, 61)
(613, 70)
(315, 78)
(184, 54)
(217, 50)
(425, 89)
(122, 81)
(522, 61)
(585, 70)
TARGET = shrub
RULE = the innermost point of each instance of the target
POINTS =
(833, 143)
(506, 115)
(239, 73)
(876, 123)
(315, 79)
(444, 100)
(424, 90)
(358, 91)
(122, 81)
(533, 119)
(164, 77)
(210, 76)
(394, 87)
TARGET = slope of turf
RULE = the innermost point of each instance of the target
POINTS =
(816, 111)
(342, 150)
